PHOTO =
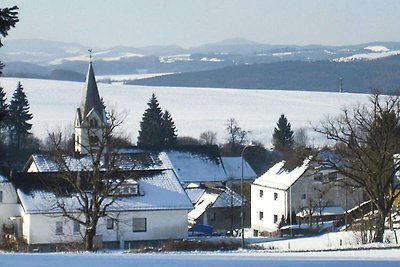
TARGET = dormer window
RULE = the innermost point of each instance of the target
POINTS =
(129, 189)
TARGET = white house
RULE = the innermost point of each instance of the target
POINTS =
(218, 207)
(308, 189)
(9, 209)
(154, 208)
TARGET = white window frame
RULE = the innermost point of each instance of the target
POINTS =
(76, 228)
(110, 224)
(139, 225)
(59, 228)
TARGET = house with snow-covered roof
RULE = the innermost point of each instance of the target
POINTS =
(135, 216)
(306, 192)
(217, 207)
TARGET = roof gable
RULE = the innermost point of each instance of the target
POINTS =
(280, 178)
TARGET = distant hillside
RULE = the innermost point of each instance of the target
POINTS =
(358, 76)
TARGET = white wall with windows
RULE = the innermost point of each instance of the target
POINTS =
(267, 207)
(123, 226)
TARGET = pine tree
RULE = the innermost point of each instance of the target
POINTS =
(19, 116)
(3, 109)
(282, 139)
(151, 129)
(8, 19)
(169, 130)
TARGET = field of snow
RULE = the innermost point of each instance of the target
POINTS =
(194, 110)
(374, 52)
(387, 258)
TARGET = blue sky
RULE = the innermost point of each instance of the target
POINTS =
(188, 23)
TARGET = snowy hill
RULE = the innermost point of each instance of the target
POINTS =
(194, 110)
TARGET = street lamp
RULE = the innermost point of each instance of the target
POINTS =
(241, 192)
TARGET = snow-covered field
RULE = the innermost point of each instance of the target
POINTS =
(194, 110)
(387, 258)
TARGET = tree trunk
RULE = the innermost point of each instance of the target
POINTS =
(380, 226)
(88, 238)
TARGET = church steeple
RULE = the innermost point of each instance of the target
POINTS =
(90, 117)
(90, 98)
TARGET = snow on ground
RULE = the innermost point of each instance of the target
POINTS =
(387, 258)
(376, 54)
(194, 110)
(125, 77)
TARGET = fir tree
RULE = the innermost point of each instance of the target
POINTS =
(282, 139)
(151, 129)
(19, 116)
(3, 109)
(170, 136)
(8, 19)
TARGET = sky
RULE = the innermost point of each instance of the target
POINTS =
(189, 23)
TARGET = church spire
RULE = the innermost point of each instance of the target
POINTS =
(90, 120)
(91, 98)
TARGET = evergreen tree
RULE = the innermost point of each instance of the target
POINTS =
(169, 130)
(151, 126)
(3, 109)
(19, 116)
(8, 19)
(282, 139)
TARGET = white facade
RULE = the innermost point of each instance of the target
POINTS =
(41, 229)
(278, 193)
(9, 208)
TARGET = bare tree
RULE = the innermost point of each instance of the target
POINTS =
(95, 187)
(236, 135)
(367, 145)
(208, 138)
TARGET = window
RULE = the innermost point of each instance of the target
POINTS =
(59, 228)
(275, 196)
(212, 216)
(94, 140)
(303, 196)
(139, 225)
(77, 228)
(261, 193)
(261, 215)
(93, 123)
(332, 176)
(1, 196)
(275, 218)
(318, 176)
(110, 224)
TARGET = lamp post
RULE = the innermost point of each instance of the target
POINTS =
(241, 192)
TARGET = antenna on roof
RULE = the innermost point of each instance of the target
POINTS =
(90, 55)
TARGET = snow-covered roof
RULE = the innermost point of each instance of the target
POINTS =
(190, 163)
(158, 190)
(280, 178)
(326, 211)
(124, 161)
(233, 168)
(212, 197)
(194, 167)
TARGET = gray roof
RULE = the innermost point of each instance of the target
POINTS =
(91, 98)
(159, 190)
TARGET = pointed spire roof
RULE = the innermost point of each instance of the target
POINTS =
(91, 98)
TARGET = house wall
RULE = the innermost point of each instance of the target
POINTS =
(267, 208)
(305, 191)
(222, 218)
(9, 208)
(310, 191)
(171, 224)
